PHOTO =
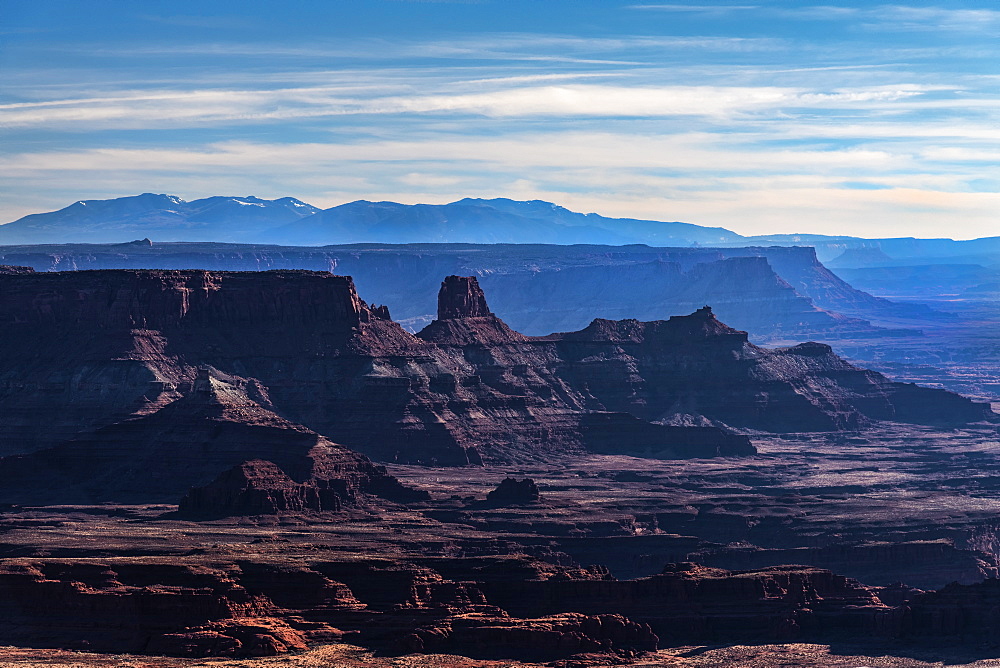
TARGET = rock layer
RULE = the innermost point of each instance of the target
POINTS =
(273, 465)
(768, 291)
(117, 353)
(252, 608)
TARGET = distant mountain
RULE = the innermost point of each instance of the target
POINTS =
(290, 222)
(160, 217)
(485, 221)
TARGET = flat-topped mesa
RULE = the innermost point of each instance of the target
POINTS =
(698, 326)
(464, 318)
(93, 358)
(159, 299)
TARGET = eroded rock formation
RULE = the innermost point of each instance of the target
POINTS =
(768, 291)
(260, 609)
(512, 491)
(93, 361)
(250, 608)
(220, 424)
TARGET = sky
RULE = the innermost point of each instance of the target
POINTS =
(865, 118)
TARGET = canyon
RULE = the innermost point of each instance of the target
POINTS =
(256, 464)
(781, 296)
(539, 289)
(122, 351)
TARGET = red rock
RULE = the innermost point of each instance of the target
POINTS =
(106, 356)
(269, 464)
(533, 639)
(691, 603)
(461, 297)
(511, 491)
(195, 643)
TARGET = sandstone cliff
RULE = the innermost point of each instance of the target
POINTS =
(768, 291)
(256, 608)
(92, 358)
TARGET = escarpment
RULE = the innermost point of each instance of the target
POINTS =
(103, 372)
(256, 608)
(772, 292)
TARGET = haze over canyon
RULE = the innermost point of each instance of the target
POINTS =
(548, 437)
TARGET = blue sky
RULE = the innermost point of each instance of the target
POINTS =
(865, 118)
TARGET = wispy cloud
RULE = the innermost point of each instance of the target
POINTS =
(766, 133)
(173, 109)
(896, 17)
(494, 46)
(905, 17)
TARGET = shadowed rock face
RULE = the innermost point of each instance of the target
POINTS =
(511, 491)
(965, 612)
(221, 424)
(96, 350)
(256, 608)
(256, 487)
(770, 291)
(90, 358)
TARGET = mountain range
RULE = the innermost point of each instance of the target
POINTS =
(288, 221)
(161, 217)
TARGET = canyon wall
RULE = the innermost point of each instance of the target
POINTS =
(129, 364)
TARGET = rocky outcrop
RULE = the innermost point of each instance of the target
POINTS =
(689, 603)
(257, 487)
(96, 606)
(464, 319)
(222, 423)
(967, 613)
(532, 612)
(927, 564)
(82, 351)
(303, 344)
(96, 358)
(771, 292)
(542, 639)
(461, 297)
(245, 637)
(512, 491)
(501, 607)
(250, 609)
(698, 365)
(13, 269)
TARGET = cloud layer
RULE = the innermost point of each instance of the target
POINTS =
(839, 119)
